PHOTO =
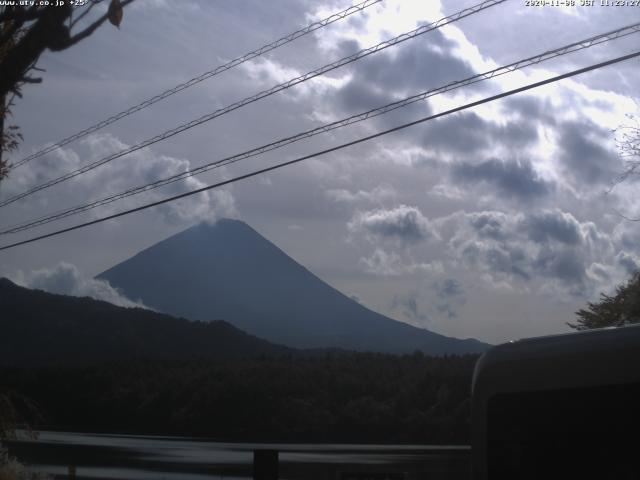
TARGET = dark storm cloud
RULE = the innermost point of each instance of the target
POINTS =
(531, 108)
(358, 97)
(511, 260)
(517, 133)
(468, 133)
(490, 225)
(419, 65)
(511, 254)
(492, 244)
(585, 158)
(565, 264)
(515, 179)
(552, 225)
(348, 47)
(460, 133)
(501, 260)
(550, 244)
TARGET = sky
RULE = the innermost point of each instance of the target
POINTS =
(497, 223)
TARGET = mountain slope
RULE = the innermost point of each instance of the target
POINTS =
(42, 328)
(227, 270)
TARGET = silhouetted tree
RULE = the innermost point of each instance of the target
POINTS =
(351, 397)
(28, 30)
(622, 308)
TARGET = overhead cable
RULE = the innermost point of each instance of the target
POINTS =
(254, 98)
(201, 78)
(534, 60)
(326, 151)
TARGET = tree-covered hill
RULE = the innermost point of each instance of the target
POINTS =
(92, 366)
(359, 397)
(39, 328)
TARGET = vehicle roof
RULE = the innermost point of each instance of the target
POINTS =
(579, 359)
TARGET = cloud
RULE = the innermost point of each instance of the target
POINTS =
(66, 279)
(375, 196)
(514, 179)
(358, 96)
(566, 265)
(423, 65)
(404, 224)
(489, 224)
(531, 108)
(417, 66)
(629, 262)
(138, 168)
(551, 226)
(384, 263)
(449, 287)
(407, 306)
(528, 248)
(449, 296)
(441, 301)
(627, 234)
(469, 133)
(583, 155)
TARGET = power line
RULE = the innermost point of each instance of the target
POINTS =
(265, 93)
(202, 77)
(329, 150)
(573, 47)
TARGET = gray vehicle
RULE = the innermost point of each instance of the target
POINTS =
(564, 406)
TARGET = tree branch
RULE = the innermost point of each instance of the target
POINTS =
(48, 31)
(630, 219)
(91, 28)
(26, 79)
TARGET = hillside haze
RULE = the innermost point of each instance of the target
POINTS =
(229, 271)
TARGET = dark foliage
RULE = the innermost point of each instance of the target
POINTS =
(623, 308)
(92, 366)
(27, 29)
(356, 397)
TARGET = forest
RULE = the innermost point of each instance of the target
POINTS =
(87, 366)
(343, 397)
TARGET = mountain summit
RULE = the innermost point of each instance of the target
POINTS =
(229, 271)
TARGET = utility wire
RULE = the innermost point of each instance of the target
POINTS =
(283, 86)
(573, 47)
(329, 150)
(202, 77)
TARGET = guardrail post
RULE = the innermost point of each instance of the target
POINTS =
(265, 464)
